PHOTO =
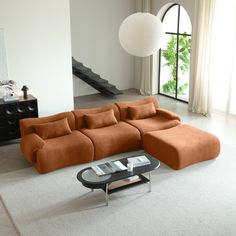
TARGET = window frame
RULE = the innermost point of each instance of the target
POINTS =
(177, 34)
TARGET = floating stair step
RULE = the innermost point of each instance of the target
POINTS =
(93, 79)
(99, 80)
(114, 90)
(76, 63)
(107, 85)
(83, 69)
(91, 74)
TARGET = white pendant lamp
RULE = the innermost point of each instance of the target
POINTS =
(140, 34)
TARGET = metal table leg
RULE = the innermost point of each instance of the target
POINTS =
(106, 194)
(150, 182)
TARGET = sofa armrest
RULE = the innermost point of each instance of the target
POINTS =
(29, 145)
(168, 114)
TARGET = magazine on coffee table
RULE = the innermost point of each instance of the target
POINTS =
(139, 161)
(108, 168)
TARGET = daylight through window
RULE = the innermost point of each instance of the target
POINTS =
(174, 55)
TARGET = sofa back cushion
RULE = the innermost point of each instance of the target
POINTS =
(53, 129)
(141, 111)
(80, 114)
(27, 124)
(124, 106)
(99, 120)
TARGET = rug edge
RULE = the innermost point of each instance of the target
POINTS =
(9, 215)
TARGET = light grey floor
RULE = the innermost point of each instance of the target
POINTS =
(221, 125)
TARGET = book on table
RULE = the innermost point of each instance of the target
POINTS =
(108, 168)
(139, 161)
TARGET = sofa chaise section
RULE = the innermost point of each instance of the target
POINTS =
(52, 142)
(181, 146)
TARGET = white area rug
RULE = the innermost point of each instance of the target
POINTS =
(198, 200)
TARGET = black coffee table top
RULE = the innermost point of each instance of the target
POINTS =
(91, 180)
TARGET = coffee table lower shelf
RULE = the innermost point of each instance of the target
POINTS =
(126, 183)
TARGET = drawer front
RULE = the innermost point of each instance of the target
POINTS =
(11, 113)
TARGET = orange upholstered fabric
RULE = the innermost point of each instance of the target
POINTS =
(27, 125)
(54, 152)
(101, 119)
(162, 120)
(181, 146)
(123, 106)
(80, 114)
(108, 140)
(142, 111)
(64, 151)
(113, 139)
(53, 129)
(153, 123)
(167, 114)
(30, 144)
(92, 133)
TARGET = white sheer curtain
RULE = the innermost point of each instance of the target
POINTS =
(200, 70)
(3, 60)
(143, 66)
(213, 57)
(224, 57)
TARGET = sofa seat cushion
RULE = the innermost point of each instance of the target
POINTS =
(64, 151)
(113, 139)
(153, 123)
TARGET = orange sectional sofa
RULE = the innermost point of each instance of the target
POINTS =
(84, 135)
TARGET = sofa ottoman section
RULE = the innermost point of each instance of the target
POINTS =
(181, 146)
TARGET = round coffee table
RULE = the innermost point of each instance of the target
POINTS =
(120, 180)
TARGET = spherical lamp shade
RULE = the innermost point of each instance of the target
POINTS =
(140, 34)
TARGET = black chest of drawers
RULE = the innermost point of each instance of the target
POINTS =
(12, 112)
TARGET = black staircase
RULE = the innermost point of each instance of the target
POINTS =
(93, 79)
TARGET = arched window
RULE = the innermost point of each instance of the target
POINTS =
(174, 56)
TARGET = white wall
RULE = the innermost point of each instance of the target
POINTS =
(94, 27)
(38, 46)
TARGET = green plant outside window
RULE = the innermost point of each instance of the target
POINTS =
(170, 56)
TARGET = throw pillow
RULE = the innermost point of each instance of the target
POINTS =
(102, 119)
(142, 111)
(53, 129)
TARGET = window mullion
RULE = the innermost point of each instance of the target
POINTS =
(177, 53)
